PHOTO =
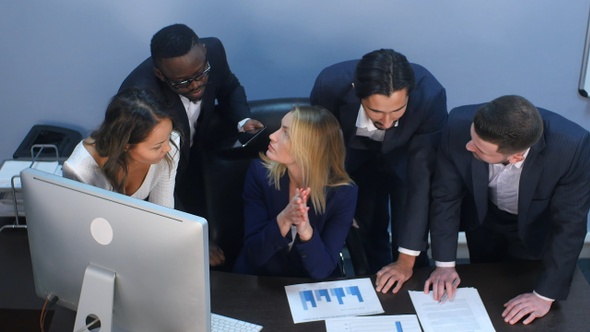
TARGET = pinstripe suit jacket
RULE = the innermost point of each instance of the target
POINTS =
(553, 203)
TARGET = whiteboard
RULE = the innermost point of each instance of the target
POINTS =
(584, 84)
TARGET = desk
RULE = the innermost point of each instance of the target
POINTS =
(262, 300)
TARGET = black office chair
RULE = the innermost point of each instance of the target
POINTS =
(356, 251)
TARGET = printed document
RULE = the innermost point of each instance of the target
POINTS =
(390, 323)
(332, 299)
(465, 312)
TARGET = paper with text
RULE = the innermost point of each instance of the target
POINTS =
(390, 323)
(465, 312)
(332, 299)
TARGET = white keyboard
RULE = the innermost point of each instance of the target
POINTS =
(221, 323)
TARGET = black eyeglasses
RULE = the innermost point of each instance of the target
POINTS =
(184, 84)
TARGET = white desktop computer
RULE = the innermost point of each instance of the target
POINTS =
(134, 265)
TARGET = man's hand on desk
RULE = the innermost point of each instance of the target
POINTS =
(216, 255)
(395, 274)
(525, 304)
(443, 279)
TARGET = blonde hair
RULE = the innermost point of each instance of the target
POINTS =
(318, 148)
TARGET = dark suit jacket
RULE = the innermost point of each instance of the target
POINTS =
(410, 148)
(223, 87)
(553, 203)
(266, 251)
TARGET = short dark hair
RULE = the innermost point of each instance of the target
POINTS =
(511, 122)
(172, 41)
(383, 72)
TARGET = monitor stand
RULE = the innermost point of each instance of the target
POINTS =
(96, 299)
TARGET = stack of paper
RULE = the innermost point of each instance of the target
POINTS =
(465, 312)
(12, 168)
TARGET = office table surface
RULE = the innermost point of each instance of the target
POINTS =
(262, 300)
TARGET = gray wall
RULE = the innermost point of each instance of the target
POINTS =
(63, 60)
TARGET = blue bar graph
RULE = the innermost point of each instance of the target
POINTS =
(309, 299)
(307, 296)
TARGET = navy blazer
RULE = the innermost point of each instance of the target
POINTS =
(410, 148)
(222, 86)
(265, 250)
(553, 202)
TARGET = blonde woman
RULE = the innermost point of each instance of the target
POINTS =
(298, 200)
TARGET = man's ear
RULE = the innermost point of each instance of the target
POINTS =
(515, 158)
(159, 74)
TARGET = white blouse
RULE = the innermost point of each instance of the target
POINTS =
(158, 184)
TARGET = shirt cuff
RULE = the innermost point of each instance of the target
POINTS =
(543, 297)
(408, 251)
(444, 264)
(241, 125)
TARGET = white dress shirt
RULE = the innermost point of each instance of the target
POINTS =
(193, 110)
(366, 128)
(503, 185)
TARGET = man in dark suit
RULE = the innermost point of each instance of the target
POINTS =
(391, 113)
(517, 180)
(189, 74)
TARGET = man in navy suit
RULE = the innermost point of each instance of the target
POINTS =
(517, 180)
(189, 74)
(391, 113)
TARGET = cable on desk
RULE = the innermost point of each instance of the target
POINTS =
(49, 302)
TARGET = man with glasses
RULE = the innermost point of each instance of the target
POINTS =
(189, 74)
(392, 113)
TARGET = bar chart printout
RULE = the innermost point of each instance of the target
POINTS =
(331, 299)
(389, 323)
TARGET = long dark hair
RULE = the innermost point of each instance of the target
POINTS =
(130, 117)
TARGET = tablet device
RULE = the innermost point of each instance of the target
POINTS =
(246, 138)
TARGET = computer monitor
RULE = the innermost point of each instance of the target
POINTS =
(135, 265)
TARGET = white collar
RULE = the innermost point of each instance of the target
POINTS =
(518, 164)
(363, 121)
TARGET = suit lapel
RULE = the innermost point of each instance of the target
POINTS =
(178, 112)
(348, 114)
(480, 177)
(529, 178)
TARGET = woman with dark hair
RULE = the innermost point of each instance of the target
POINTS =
(304, 165)
(133, 152)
